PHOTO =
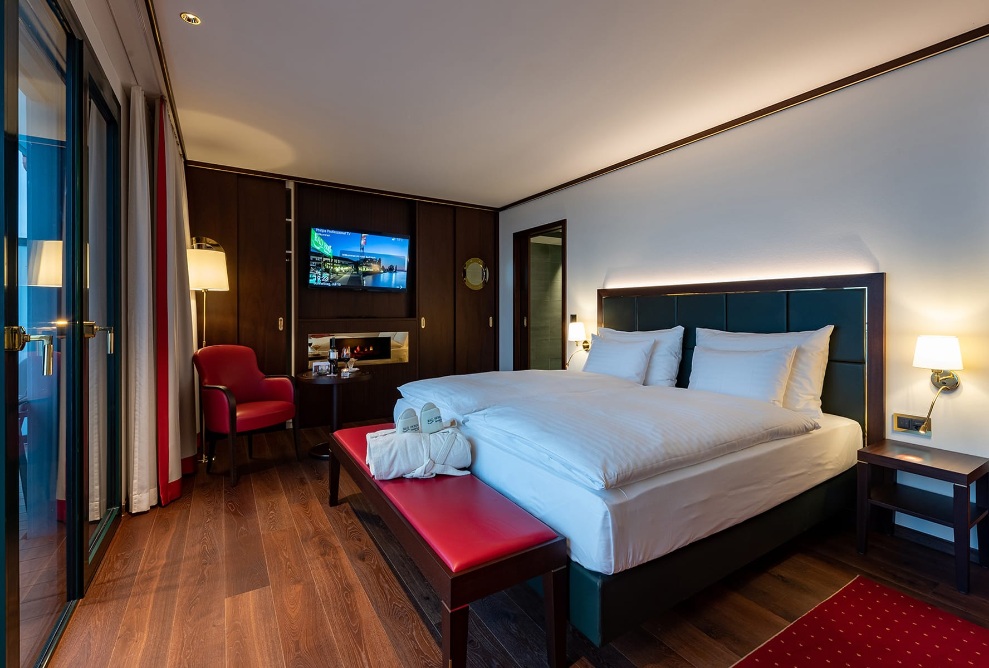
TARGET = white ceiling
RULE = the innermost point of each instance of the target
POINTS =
(491, 101)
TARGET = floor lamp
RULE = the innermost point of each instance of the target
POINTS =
(207, 270)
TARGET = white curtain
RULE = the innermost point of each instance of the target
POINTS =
(138, 336)
(95, 268)
(181, 309)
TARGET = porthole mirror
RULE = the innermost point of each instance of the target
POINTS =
(475, 273)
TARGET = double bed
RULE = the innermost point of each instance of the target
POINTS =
(646, 532)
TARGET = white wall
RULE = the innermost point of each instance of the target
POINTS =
(889, 175)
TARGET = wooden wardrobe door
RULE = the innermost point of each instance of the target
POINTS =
(262, 272)
(475, 309)
(436, 277)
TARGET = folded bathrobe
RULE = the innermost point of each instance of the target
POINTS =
(417, 455)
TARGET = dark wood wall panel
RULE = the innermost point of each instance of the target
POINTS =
(346, 210)
(476, 236)
(262, 271)
(213, 213)
(436, 278)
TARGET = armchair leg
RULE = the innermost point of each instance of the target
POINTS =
(232, 437)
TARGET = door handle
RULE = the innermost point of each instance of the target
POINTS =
(89, 330)
(15, 338)
(422, 323)
(109, 337)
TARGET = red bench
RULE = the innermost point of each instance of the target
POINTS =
(467, 539)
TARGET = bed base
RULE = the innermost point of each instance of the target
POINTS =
(602, 607)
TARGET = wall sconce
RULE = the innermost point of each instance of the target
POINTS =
(577, 334)
(207, 270)
(940, 354)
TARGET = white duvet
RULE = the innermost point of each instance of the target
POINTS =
(458, 396)
(604, 432)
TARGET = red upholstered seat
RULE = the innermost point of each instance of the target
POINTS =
(235, 397)
(463, 520)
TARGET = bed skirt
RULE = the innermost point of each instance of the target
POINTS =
(602, 607)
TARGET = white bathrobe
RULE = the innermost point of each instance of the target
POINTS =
(417, 455)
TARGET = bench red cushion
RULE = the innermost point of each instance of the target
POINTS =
(463, 520)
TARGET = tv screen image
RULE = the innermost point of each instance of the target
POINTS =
(357, 260)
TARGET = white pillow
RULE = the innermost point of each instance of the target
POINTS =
(803, 390)
(664, 363)
(756, 374)
(623, 359)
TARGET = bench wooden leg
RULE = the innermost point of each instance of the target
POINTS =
(556, 599)
(334, 480)
(455, 636)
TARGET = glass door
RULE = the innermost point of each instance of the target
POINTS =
(101, 299)
(60, 307)
(42, 204)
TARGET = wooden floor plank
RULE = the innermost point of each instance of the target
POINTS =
(251, 636)
(271, 505)
(412, 641)
(716, 613)
(242, 536)
(143, 637)
(302, 623)
(360, 637)
(642, 649)
(695, 646)
(197, 636)
(93, 630)
(405, 570)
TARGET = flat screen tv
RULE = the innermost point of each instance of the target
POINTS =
(357, 260)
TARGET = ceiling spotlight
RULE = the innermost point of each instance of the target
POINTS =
(190, 18)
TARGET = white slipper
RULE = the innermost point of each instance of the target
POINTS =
(407, 422)
(430, 420)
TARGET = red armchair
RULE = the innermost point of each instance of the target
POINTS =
(236, 398)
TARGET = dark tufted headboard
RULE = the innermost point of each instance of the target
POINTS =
(854, 385)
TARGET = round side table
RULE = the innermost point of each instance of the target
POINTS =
(322, 450)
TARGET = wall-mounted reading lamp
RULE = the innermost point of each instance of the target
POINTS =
(207, 270)
(577, 334)
(942, 355)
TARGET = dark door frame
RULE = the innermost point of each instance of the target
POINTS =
(520, 306)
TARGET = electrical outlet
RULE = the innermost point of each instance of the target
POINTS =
(911, 424)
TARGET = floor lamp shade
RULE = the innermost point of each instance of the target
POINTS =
(44, 266)
(207, 269)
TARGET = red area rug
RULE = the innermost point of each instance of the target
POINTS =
(867, 624)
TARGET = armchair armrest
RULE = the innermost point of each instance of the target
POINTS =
(279, 387)
(219, 408)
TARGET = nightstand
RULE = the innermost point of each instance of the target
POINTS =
(959, 512)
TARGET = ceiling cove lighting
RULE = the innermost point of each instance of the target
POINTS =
(190, 18)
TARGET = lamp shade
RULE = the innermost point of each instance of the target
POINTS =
(207, 269)
(576, 332)
(44, 264)
(938, 353)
